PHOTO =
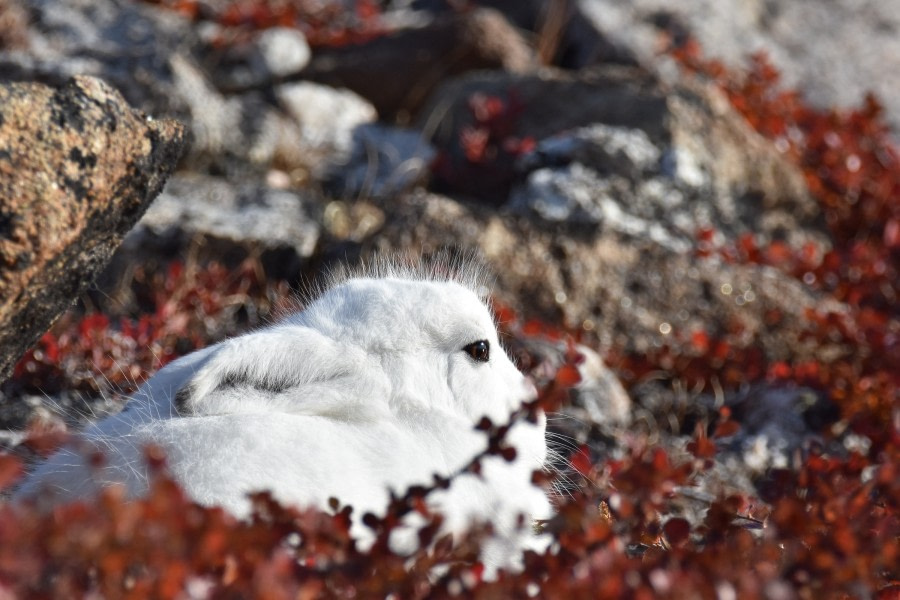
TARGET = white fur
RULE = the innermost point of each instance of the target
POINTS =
(367, 390)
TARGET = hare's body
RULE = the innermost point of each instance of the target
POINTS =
(376, 386)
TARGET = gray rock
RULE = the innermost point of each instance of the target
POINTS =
(384, 161)
(245, 215)
(412, 62)
(284, 51)
(578, 195)
(825, 49)
(262, 59)
(128, 44)
(78, 167)
(600, 393)
(214, 119)
(240, 134)
(776, 422)
(619, 150)
(327, 118)
(598, 399)
(677, 156)
(616, 178)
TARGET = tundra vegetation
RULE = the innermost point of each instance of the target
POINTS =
(823, 524)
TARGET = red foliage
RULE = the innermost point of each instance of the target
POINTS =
(852, 168)
(190, 307)
(830, 531)
(826, 528)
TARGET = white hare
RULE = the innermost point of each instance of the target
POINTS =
(377, 385)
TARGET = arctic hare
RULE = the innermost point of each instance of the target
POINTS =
(377, 385)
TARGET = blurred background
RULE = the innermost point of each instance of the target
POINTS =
(694, 202)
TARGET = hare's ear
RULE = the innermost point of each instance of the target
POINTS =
(261, 367)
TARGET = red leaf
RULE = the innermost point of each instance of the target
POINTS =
(892, 234)
(532, 328)
(701, 446)
(778, 252)
(726, 429)
(700, 341)
(10, 470)
(660, 460)
(567, 376)
(581, 460)
(779, 370)
(677, 531)
(474, 141)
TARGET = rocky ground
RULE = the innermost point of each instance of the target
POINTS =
(586, 169)
(835, 52)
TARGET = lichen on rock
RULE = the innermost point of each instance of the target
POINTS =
(78, 167)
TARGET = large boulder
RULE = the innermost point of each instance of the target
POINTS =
(677, 157)
(416, 60)
(78, 167)
(564, 34)
(215, 219)
(825, 49)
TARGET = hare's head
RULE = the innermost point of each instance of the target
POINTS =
(433, 335)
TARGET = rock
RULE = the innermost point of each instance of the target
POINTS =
(225, 220)
(384, 161)
(13, 24)
(78, 167)
(578, 196)
(214, 119)
(326, 117)
(618, 150)
(776, 421)
(566, 37)
(600, 393)
(156, 57)
(284, 50)
(415, 60)
(506, 113)
(715, 150)
(615, 178)
(597, 410)
(128, 44)
(823, 49)
(598, 399)
(313, 131)
(615, 147)
(551, 101)
(260, 59)
(242, 135)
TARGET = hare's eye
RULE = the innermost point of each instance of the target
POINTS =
(480, 350)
